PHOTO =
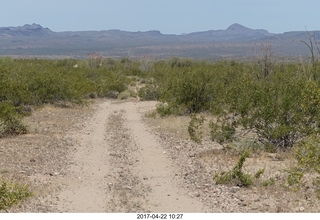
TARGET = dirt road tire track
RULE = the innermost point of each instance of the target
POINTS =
(92, 171)
(84, 191)
(155, 167)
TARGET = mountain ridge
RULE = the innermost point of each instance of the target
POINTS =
(28, 28)
(236, 40)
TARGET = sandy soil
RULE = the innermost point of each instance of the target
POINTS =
(109, 157)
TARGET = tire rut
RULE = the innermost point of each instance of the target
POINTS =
(119, 166)
(85, 190)
(153, 167)
(127, 192)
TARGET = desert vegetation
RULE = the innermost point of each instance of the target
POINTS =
(273, 105)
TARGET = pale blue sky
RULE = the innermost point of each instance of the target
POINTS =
(167, 16)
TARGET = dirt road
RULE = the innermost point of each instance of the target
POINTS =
(110, 158)
(120, 166)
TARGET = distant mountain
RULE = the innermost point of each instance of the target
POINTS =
(27, 30)
(244, 31)
(236, 41)
(234, 33)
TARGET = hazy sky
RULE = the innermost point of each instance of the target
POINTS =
(167, 16)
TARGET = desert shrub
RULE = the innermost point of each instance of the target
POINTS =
(164, 109)
(195, 128)
(94, 60)
(68, 63)
(107, 80)
(12, 193)
(130, 67)
(109, 63)
(34, 82)
(268, 182)
(186, 91)
(143, 81)
(275, 107)
(316, 183)
(50, 88)
(10, 120)
(13, 86)
(258, 174)
(148, 92)
(309, 105)
(240, 145)
(293, 180)
(179, 62)
(126, 94)
(222, 131)
(236, 175)
(307, 153)
(146, 66)
(112, 94)
(92, 95)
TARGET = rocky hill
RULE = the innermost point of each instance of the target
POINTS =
(27, 30)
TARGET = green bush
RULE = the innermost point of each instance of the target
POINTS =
(307, 153)
(223, 131)
(12, 194)
(10, 120)
(268, 182)
(316, 183)
(278, 103)
(164, 110)
(236, 175)
(126, 94)
(294, 178)
(186, 91)
(195, 128)
(34, 82)
(148, 93)
(272, 109)
(179, 62)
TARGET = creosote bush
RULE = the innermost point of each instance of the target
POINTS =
(274, 101)
(35, 82)
(186, 90)
(10, 120)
